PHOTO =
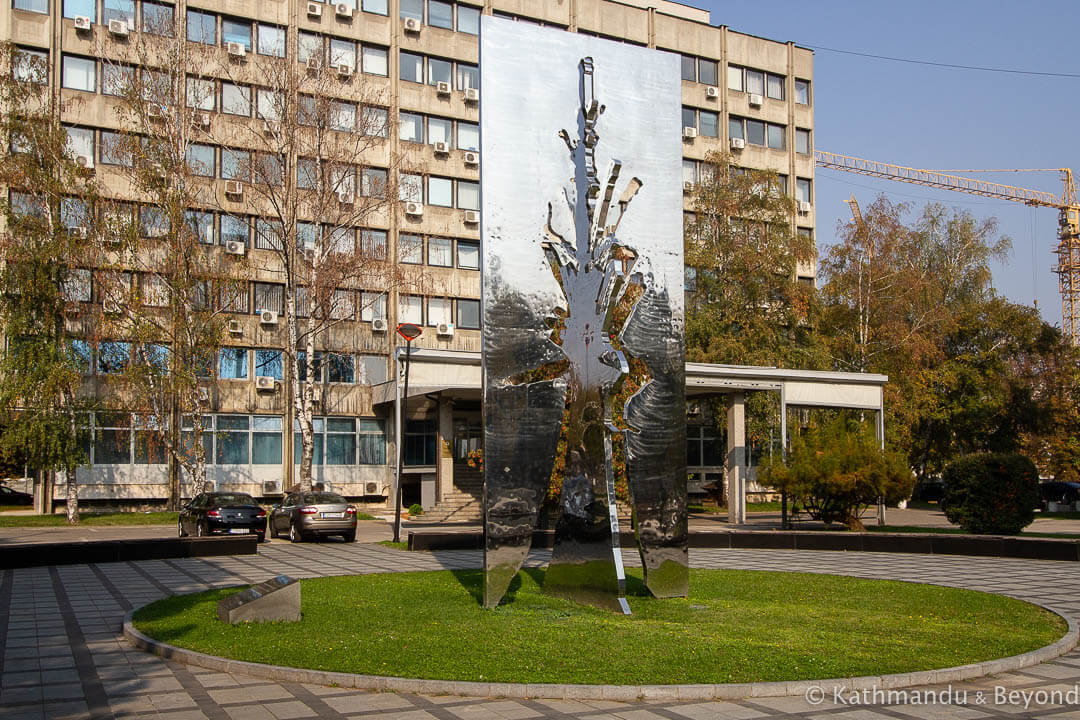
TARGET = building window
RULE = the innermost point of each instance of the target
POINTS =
(440, 14)
(371, 369)
(342, 306)
(412, 9)
(120, 10)
(200, 94)
(340, 368)
(378, 7)
(265, 440)
(235, 229)
(468, 314)
(234, 299)
(689, 68)
(269, 296)
(702, 447)
(76, 286)
(117, 80)
(375, 121)
(420, 442)
(410, 249)
(232, 363)
(236, 31)
(468, 136)
(75, 8)
(774, 85)
(80, 355)
(440, 311)
(33, 66)
(308, 45)
(79, 73)
(235, 164)
(232, 439)
(440, 252)
(74, 213)
(114, 149)
(706, 71)
(373, 244)
(468, 255)
(152, 222)
(113, 357)
(271, 40)
(38, 6)
(411, 188)
(802, 92)
(157, 19)
(201, 224)
(411, 309)
(112, 439)
(735, 78)
(372, 306)
(468, 76)
(440, 130)
(235, 99)
(755, 82)
(342, 53)
(468, 19)
(371, 440)
(468, 195)
(440, 192)
(439, 71)
(802, 141)
(201, 27)
(200, 160)
(375, 60)
(268, 364)
(775, 136)
(411, 67)
(80, 142)
(802, 190)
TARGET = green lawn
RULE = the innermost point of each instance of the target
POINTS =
(90, 518)
(737, 626)
(958, 531)
(403, 545)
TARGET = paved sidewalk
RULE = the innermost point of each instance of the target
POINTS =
(63, 656)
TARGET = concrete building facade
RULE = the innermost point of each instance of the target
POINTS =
(745, 94)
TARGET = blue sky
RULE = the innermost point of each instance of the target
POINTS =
(938, 118)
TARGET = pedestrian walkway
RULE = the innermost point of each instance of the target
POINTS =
(64, 657)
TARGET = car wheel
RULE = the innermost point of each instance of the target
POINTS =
(294, 534)
(262, 537)
(180, 529)
(350, 536)
(200, 531)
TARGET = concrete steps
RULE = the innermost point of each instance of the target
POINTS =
(463, 504)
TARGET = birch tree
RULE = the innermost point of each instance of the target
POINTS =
(43, 276)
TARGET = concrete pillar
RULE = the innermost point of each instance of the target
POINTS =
(736, 458)
(444, 427)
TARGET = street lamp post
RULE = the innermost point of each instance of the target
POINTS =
(410, 332)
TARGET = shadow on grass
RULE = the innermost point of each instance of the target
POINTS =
(473, 582)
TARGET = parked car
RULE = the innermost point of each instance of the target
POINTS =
(222, 513)
(10, 496)
(929, 490)
(304, 515)
(1059, 492)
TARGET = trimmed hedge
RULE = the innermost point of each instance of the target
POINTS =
(991, 494)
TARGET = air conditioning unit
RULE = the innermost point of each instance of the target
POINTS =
(271, 127)
(344, 70)
(236, 327)
(82, 22)
(472, 217)
(268, 317)
(688, 186)
(472, 95)
(314, 63)
(737, 143)
(271, 487)
(371, 488)
(314, 9)
(79, 231)
(153, 110)
(316, 394)
(412, 25)
(445, 330)
(414, 208)
(756, 100)
(442, 87)
(86, 162)
(804, 206)
(236, 49)
(472, 158)
(712, 92)
(442, 148)
(200, 119)
(118, 28)
(110, 307)
(265, 382)
(346, 197)
(234, 187)
(235, 247)
(343, 10)
(204, 394)
(378, 325)
(689, 133)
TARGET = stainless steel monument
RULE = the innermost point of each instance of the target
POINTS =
(583, 290)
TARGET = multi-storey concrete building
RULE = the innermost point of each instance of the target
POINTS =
(748, 95)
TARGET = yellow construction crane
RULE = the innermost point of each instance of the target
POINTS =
(1068, 249)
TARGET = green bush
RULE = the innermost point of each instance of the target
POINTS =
(991, 494)
(416, 509)
(837, 470)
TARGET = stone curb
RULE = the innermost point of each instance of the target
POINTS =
(731, 691)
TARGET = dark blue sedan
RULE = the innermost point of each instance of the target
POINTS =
(222, 513)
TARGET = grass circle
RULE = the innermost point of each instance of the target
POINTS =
(736, 626)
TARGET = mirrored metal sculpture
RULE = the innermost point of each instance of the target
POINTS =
(582, 276)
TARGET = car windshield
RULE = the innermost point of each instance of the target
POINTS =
(324, 498)
(232, 499)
